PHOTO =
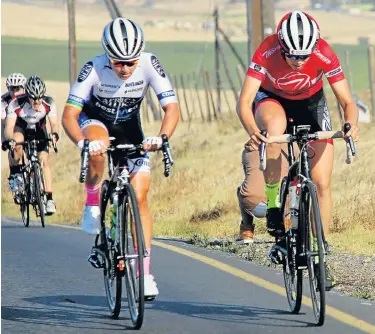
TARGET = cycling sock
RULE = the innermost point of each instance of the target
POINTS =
(92, 195)
(146, 262)
(49, 196)
(272, 193)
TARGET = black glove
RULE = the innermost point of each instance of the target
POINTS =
(7, 144)
(56, 135)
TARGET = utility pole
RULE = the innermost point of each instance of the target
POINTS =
(254, 25)
(72, 42)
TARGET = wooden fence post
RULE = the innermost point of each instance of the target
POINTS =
(371, 63)
(207, 74)
(207, 88)
(185, 97)
(198, 96)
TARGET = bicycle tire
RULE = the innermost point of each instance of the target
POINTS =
(313, 222)
(112, 276)
(293, 277)
(25, 201)
(129, 244)
(38, 192)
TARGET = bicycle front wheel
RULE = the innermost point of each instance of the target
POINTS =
(39, 192)
(292, 275)
(132, 248)
(25, 201)
(309, 209)
(112, 275)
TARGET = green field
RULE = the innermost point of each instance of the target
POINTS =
(49, 58)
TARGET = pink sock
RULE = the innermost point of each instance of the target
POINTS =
(146, 262)
(92, 194)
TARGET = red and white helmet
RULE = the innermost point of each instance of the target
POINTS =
(298, 33)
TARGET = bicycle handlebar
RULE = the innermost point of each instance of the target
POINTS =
(167, 155)
(37, 141)
(319, 135)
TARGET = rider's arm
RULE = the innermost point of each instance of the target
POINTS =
(52, 117)
(162, 86)
(170, 120)
(9, 127)
(244, 105)
(345, 98)
(11, 119)
(4, 106)
(79, 94)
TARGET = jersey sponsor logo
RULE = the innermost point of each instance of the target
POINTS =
(136, 83)
(270, 52)
(334, 72)
(257, 68)
(76, 100)
(294, 81)
(321, 56)
(166, 94)
(157, 66)
(85, 71)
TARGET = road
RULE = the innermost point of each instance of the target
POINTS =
(49, 287)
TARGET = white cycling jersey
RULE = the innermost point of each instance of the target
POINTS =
(5, 100)
(27, 117)
(102, 95)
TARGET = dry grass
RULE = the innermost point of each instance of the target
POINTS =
(35, 16)
(200, 196)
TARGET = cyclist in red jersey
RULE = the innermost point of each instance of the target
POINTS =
(284, 80)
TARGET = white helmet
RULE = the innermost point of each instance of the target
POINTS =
(123, 39)
(15, 80)
(298, 33)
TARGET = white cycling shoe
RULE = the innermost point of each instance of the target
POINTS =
(151, 290)
(91, 219)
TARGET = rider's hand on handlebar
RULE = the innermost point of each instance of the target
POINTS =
(97, 147)
(152, 143)
(55, 137)
(8, 144)
(255, 140)
(354, 132)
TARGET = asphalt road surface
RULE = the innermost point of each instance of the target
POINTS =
(49, 287)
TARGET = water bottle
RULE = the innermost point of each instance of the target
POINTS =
(294, 189)
(113, 216)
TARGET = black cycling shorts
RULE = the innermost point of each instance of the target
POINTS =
(311, 111)
(40, 133)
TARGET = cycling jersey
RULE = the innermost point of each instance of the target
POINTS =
(5, 100)
(269, 66)
(102, 96)
(27, 117)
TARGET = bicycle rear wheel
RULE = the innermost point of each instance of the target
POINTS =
(39, 192)
(25, 201)
(309, 209)
(132, 248)
(112, 276)
(292, 275)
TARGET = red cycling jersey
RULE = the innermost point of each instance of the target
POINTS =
(279, 78)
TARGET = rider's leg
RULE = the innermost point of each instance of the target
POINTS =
(270, 115)
(14, 162)
(251, 197)
(50, 206)
(91, 215)
(321, 170)
(15, 177)
(140, 179)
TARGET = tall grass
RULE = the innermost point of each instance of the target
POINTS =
(200, 196)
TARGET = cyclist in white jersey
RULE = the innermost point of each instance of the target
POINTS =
(25, 113)
(16, 86)
(105, 101)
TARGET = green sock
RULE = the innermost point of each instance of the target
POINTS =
(272, 193)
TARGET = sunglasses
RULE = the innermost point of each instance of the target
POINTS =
(118, 63)
(15, 88)
(294, 57)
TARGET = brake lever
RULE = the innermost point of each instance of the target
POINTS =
(262, 152)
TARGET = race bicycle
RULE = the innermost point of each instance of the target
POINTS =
(120, 243)
(33, 191)
(303, 246)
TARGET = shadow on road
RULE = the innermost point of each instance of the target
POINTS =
(79, 311)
